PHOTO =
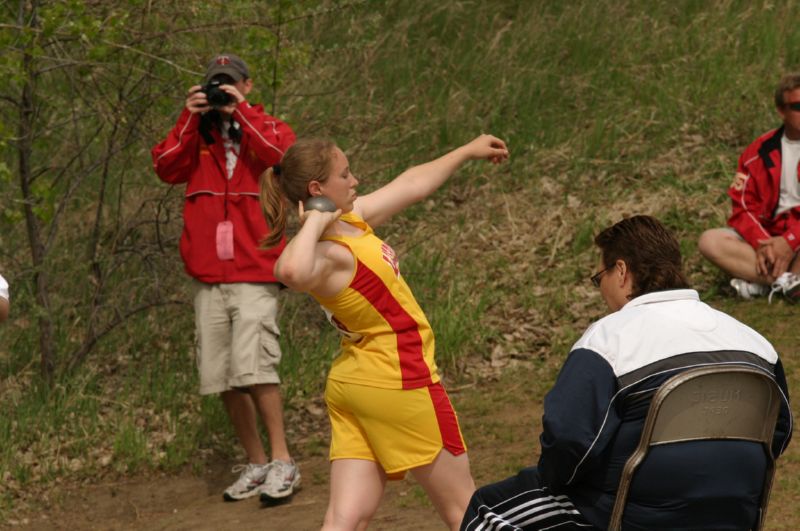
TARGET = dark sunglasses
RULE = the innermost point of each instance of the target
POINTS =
(597, 277)
(795, 105)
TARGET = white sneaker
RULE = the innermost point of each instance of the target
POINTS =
(282, 480)
(251, 478)
(789, 284)
(748, 290)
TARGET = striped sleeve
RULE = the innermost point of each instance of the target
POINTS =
(175, 156)
(269, 138)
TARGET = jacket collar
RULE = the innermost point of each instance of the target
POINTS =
(769, 145)
(664, 296)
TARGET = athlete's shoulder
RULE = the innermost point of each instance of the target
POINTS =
(335, 251)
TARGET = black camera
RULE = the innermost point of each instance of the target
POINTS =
(216, 96)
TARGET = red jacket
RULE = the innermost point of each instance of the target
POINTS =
(184, 157)
(755, 196)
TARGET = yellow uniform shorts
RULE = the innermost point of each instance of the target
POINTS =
(400, 429)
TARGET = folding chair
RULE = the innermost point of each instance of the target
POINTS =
(721, 402)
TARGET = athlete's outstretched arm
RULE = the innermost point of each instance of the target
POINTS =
(417, 183)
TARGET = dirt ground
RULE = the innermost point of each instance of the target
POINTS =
(193, 501)
(500, 418)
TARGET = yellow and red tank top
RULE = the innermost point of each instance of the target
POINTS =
(386, 341)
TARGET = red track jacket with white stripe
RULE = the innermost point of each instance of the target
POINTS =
(755, 196)
(185, 157)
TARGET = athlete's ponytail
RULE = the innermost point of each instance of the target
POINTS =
(274, 205)
(306, 161)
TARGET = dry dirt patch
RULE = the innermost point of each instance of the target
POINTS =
(497, 436)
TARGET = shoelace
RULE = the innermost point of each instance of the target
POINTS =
(775, 288)
(780, 285)
(243, 469)
(286, 472)
(238, 468)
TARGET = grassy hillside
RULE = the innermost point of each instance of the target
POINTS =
(609, 108)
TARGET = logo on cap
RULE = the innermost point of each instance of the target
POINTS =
(223, 60)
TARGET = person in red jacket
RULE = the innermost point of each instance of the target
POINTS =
(3, 299)
(219, 148)
(760, 249)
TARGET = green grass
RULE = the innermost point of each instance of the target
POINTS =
(130, 446)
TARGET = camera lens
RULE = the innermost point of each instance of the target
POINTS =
(216, 96)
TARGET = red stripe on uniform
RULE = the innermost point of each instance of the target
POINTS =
(413, 369)
(446, 417)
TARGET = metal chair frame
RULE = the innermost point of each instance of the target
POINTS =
(708, 403)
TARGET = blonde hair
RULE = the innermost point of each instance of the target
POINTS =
(305, 161)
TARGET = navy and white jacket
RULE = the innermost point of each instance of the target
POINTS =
(594, 414)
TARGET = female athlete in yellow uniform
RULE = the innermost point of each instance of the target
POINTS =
(388, 411)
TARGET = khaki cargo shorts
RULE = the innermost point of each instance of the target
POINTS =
(236, 335)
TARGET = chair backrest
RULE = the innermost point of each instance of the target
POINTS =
(720, 402)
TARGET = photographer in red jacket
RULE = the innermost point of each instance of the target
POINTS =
(219, 147)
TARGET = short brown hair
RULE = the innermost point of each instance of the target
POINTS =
(788, 82)
(650, 251)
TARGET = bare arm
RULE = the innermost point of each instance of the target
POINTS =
(304, 264)
(417, 183)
